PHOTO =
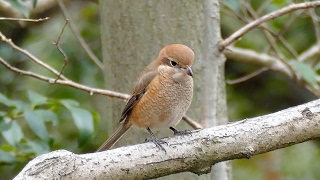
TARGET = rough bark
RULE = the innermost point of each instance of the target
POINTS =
(191, 153)
(213, 90)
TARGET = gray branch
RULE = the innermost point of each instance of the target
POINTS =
(190, 153)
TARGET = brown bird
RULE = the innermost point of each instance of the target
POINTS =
(161, 96)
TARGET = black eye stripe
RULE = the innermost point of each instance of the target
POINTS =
(172, 63)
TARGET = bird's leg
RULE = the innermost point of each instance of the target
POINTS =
(155, 140)
(176, 132)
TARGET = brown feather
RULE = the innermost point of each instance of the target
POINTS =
(115, 137)
(138, 92)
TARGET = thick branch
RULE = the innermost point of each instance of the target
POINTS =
(195, 153)
(266, 18)
(260, 59)
(273, 63)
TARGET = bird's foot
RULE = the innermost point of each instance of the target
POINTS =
(155, 140)
(176, 132)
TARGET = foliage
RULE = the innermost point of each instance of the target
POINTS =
(23, 125)
(308, 73)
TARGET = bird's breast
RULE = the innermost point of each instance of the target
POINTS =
(163, 104)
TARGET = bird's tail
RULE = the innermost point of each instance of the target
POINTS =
(115, 137)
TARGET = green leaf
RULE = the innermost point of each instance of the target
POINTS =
(82, 118)
(36, 99)
(68, 103)
(4, 100)
(96, 121)
(39, 146)
(306, 71)
(15, 106)
(36, 124)
(6, 157)
(20, 6)
(7, 147)
(5, 125)
(14, 134)
(84, 122)
(48, 116)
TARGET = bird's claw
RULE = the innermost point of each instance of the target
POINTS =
(157, 142)
(185, 132)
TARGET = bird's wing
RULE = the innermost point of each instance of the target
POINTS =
(138, 92)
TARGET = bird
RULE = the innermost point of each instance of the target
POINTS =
(161, 96)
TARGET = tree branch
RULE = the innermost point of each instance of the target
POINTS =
(65, 57)
(271, 62)
(31, 56)
(247, 77)
(312, 51)
(23, 19)
(194, 124)
(65, 82)
(195, 153)
(259, 59)
(265, 18)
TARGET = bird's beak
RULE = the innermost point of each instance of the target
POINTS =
(189, 71)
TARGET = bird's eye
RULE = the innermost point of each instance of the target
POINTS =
(172, 63)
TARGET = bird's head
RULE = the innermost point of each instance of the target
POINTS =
(176, 61)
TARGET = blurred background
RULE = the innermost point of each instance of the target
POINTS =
(56, 105)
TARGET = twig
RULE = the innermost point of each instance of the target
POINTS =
(264, 27)
(315, 22)
(288, 22)
(265, 18)
(233, 10)
(22, 19)
(32, 57)
(278, 36)
(243, 6)
(66, 82)
(194, 124)
(78, 37)
(281, 57)
(314, 50)
(263, 6)
(247, 77)
(65, 58)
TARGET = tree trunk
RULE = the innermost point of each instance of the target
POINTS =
(213, 102)
(132, 36)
